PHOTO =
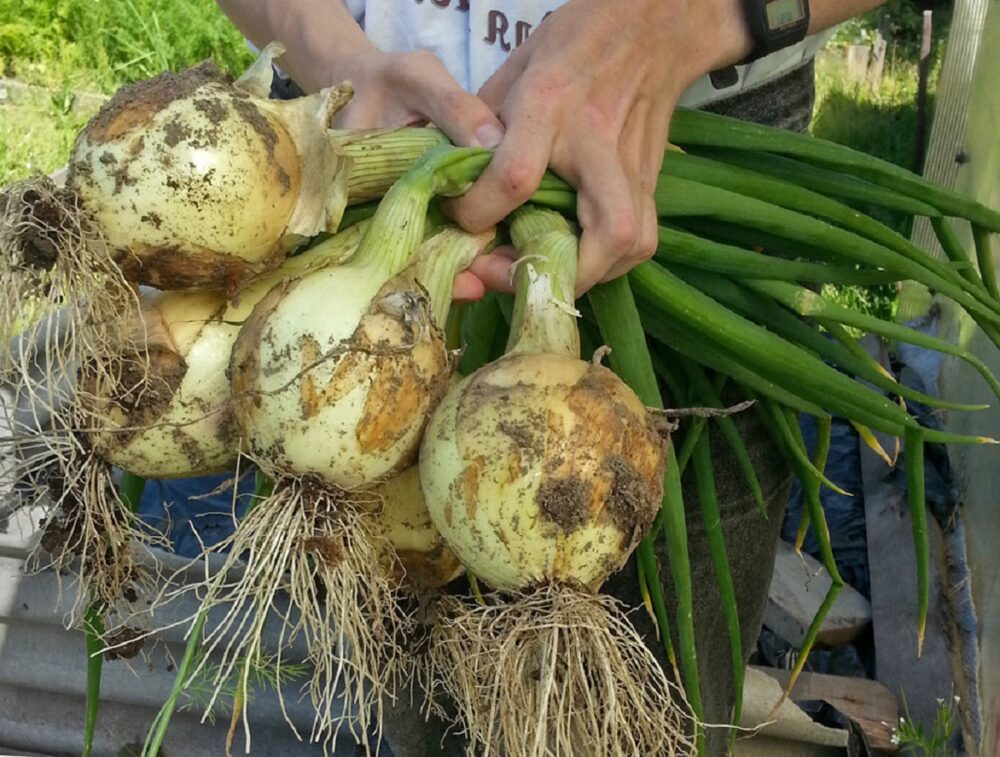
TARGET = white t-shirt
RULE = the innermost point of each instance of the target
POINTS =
(473, 38)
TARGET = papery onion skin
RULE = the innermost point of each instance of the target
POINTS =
(424, 558)
(542, 468)
(325, 388)
(199, 185)
(175, 421)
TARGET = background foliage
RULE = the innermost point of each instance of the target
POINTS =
(104, 43)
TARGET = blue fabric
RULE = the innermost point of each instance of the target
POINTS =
(191, 513)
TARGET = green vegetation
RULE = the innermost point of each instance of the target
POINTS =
(91, 45)
(937, 741)
(66, 46)
(37, 136)
(883, 121)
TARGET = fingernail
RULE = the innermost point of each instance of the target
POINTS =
(489, 135)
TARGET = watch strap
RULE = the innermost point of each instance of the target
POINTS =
(765, 40)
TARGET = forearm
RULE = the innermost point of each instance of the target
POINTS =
(728, 40)
(322, 38)
(829, 13)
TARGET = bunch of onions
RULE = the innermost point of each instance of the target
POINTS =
(187, 181)
(333, 377)
(542, 472)
(184, 181)
(168, 413)
(177, 420)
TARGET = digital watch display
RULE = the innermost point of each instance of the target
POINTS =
(773, 25)
(772, 22)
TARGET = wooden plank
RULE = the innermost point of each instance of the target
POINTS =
(948, 134)
(892, 568)
(877, 66)
(798, 587)
(870, 704)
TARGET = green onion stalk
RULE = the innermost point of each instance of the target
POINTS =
(542, 471)
(333, 377)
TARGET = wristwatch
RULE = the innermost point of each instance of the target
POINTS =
(773, 25)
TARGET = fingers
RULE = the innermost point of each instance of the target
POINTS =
(516, 169)
(495, 90)
(488, 273)
(617, 217)
(494, 269)
(403, 89)
(467, 287)
(429, 89)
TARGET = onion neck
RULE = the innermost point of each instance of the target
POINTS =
(544, 319)
(441, 257)
(380, 156)
(399, 223)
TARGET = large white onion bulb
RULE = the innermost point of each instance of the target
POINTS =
(542, 468)
(335, 374)
(199, 182)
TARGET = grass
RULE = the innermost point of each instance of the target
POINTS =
(37, 138)
(66, 46)
(880, 122)
(101, 44)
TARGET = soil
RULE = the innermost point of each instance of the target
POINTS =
(631, 505)
(130, 641)
(57, 531)
(134, 106)
(564, 501)
(45, 213)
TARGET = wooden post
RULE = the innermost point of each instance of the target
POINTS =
(877, 65)
(925, 66)
(857, 62)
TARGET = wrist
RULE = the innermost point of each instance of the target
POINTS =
(323, 41)
(727, 34)
(698, 36)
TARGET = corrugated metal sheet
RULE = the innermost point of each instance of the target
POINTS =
(43, 679)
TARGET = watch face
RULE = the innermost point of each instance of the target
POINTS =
(782, 13)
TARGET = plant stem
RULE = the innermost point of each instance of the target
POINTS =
(544, 319)
(93, 632)
(158, 729)
(621, 329)
(440, 258)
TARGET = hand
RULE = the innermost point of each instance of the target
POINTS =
(407, 89)
(590, 94)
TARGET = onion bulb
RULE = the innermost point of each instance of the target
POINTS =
(199, 182)
(418, 549)
(542, 472)
(335, 374)
(177, 420)
(371, 323)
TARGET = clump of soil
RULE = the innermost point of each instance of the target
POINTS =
(124, 644)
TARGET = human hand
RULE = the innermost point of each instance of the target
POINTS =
(590, 94)
(407, 89)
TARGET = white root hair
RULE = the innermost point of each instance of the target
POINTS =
(320, 549)
(64, 300)
(557, 671)
(88, 530)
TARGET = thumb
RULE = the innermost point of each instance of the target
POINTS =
(462, 116)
